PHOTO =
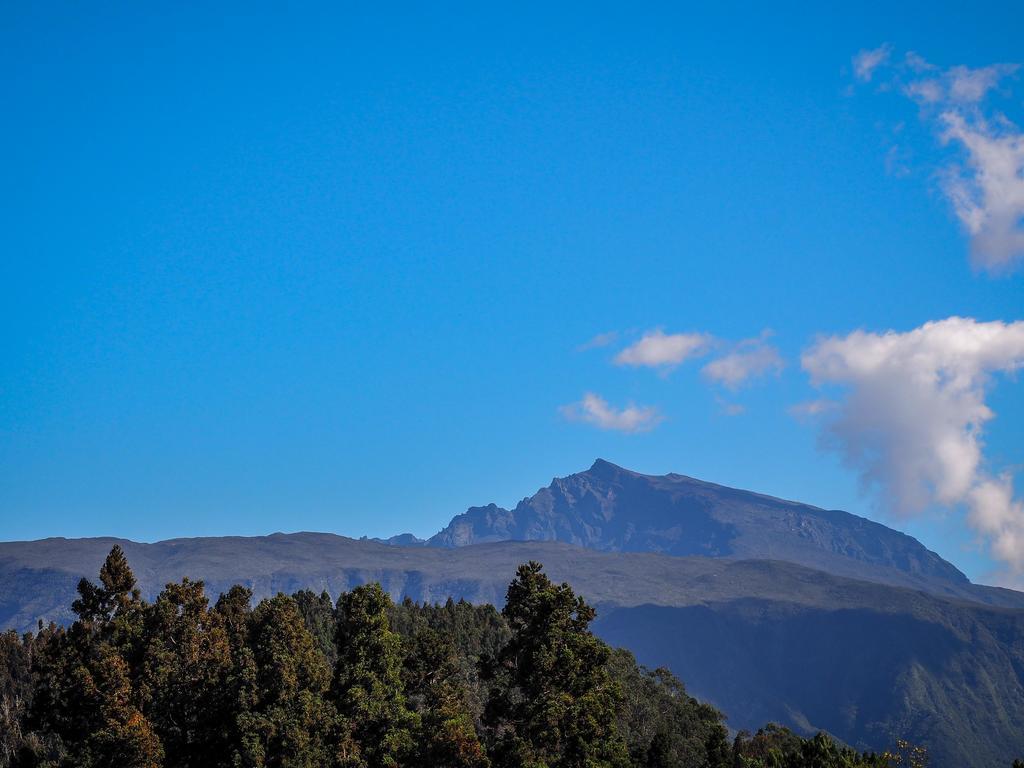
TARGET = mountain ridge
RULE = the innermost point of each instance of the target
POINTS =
(761, 639)
(611, 508)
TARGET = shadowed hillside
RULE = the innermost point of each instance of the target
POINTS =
(763, 640)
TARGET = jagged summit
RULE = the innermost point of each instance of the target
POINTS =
(601, 467)
(614, 509)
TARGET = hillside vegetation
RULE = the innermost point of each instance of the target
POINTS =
(760, 640)
(362, 682)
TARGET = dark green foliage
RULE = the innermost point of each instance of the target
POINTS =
(286, 719)
(297, 682)
(185, 672)
(124, 738)
(476, 632)
(87, 706)
(776, 747)
(554, 702)
(235, 607)
(662, 724)
(368, 686)
(317, 613)
(436, 689)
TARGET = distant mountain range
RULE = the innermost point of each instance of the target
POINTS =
(770, 609)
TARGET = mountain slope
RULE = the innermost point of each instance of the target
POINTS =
(771, 609)
(760, 639)
(612, 509)
(952, 683)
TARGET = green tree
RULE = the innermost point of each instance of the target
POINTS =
(117, 595)
(289, 723)
(125, 738)
(186, 667)
(554, 700)
(663, 725)
(86, 700)
(368, 688)
(318, 614)
(435, 687)
(235, 608)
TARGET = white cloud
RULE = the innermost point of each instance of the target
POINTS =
(913, 414)
(917, 63)
(657, 349)
(600, 340)
(961, 86)
(594, 409)
(998, 516)
(731, 409)
(752, 358)
(988, 194)
(968, 85)
(986, 186)
(809, 409)
(867, 61)
(925, 91)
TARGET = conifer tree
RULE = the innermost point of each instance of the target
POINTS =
(86, 696)
(235, 607)
(447, 736)
(125, 738)
(554, 701)
(368, 687)
(186, 667)
(318, 615)
(289, 723)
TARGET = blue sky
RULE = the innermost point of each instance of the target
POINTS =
(327, 268)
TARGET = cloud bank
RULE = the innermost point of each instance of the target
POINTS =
(596, 411)
(912, 417)
(986, 185)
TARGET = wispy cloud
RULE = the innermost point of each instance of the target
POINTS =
(751, 359)
(600, 340)
(657, 349)
(810, 408)
(867, 61)
(959, 86)
(988, 192)
(595, 410)
(730, 409)
(985, 185)
(912, 415)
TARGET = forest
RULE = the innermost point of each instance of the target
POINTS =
(306, 681)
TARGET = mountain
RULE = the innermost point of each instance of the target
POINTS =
(769, 609)
(762, 640)
(612, 509)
